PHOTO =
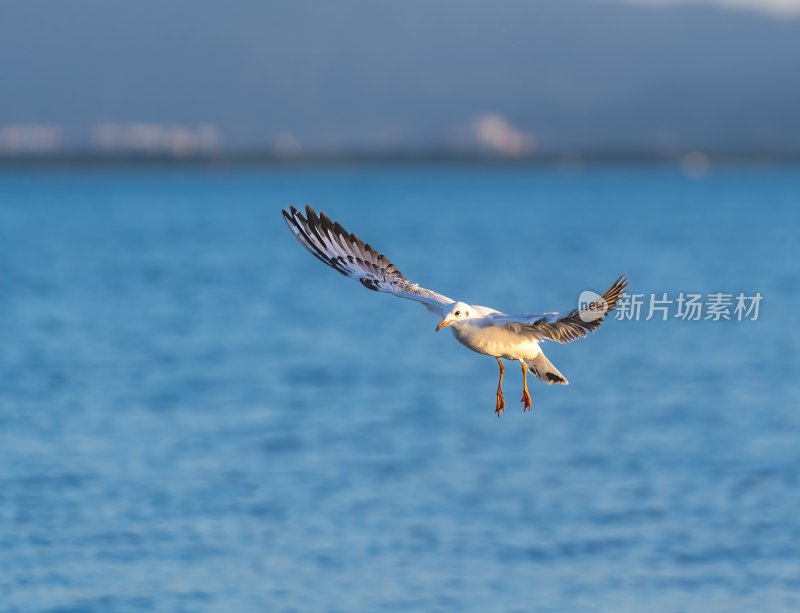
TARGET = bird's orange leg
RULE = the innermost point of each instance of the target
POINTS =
(501, 403)
(526, 397)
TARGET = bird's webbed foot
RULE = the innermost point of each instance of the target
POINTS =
(526, 400)
(501, 403)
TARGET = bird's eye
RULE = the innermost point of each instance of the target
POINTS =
(458, 313)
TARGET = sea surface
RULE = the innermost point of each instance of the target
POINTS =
(197, 415)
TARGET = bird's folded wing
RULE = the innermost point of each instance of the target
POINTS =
(564, 327)
(329, 242)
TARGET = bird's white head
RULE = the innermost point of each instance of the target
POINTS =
(459, 312)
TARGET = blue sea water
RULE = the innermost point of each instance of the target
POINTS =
(196, 415)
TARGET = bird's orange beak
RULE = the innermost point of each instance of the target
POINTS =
(443, 324)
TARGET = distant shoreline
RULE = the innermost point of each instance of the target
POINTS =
(566, 161)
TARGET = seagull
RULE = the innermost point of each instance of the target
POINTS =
(479, 328)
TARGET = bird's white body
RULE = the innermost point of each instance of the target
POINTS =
(481, 336)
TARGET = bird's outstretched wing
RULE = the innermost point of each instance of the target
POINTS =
(565, 327)
(328, 241)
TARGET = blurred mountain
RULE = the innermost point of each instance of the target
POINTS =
(300, 75)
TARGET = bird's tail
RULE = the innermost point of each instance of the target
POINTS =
(544, 370)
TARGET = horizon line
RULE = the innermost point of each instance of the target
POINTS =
(566, 158)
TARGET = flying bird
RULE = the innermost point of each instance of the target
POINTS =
(480, 328)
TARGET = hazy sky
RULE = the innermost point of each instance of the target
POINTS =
(505, 75)
(779, 8)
